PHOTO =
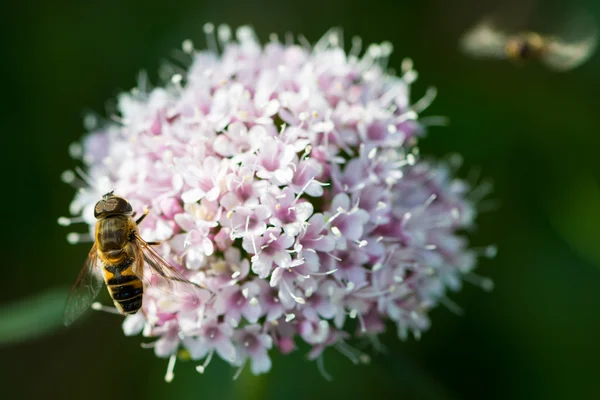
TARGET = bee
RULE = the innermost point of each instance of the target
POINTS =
(119, 255)
(486, 41)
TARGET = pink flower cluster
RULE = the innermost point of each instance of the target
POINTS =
(285, 180)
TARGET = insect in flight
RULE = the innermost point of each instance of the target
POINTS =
(119, 254)
(485, 40)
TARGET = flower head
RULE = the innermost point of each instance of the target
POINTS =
(284, 180)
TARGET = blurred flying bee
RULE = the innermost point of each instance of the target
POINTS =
(486, 41)
(119, 254)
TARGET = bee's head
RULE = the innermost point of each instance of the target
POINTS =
(112, 205)
(525, 47)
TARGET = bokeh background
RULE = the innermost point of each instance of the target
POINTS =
(534, 133)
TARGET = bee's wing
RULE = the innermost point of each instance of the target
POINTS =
(484, 40)
(562, 56)
(85, 289)
(163, 275)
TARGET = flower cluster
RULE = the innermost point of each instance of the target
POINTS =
(284, 180)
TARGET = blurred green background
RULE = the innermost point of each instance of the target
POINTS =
(535, 133)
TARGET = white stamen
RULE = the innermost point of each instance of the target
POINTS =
(362, 243)
(350, 286)
(372, 153)
(336, 231)
(425, 101)
(321, 367)
(99, 307)
(289, 317)
(224, 34)
(491, 251)
(239, 371)
(176, 79)
(235, 274)
(348, 351)
(297, 299)
(417, 334)
(253, 301)
(245, 292)
(202, 368)
(452, 306)
(187, 46)
(353, 313)
(150, 345)
(64, 221)
(90, 122)
(68, 176)
(406, 65)
(485, 283)
(364, 358)
(170, 375)
(75, 238)
(76, 150)
(211, 42)
(324, 273)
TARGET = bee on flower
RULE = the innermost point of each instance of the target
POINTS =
(285, 188)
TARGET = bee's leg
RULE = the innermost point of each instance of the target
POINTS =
(153, 243)
(140, 219)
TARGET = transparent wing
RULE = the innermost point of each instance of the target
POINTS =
(484, 41)
(85, 289)
(162, 274)
(563, 56)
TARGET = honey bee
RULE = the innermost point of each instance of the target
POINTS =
(486, 41)
(119, 255)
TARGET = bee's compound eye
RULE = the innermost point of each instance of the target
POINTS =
(128, 209)
(99, 208)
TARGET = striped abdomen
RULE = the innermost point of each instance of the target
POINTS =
(124, 286)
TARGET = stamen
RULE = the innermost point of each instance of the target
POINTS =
(99, 307)
(426, 100)
(324, 273)
(211, 41)
(452, 306)
(434, 120)
(356, 47)
(290, 317)
(170, 367)
(76, 238)
(297, 299)
(202, 368)
(363, 328)
(187, 46)
(148, 345)
(65, 221)
(485, 283)
(302, 190)
(239, 371)
(76, 150)
(68, 177)
(224, 34)
(348, 351)
(321, 367)
(336, 231)
(366, 295)
(417, 334)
